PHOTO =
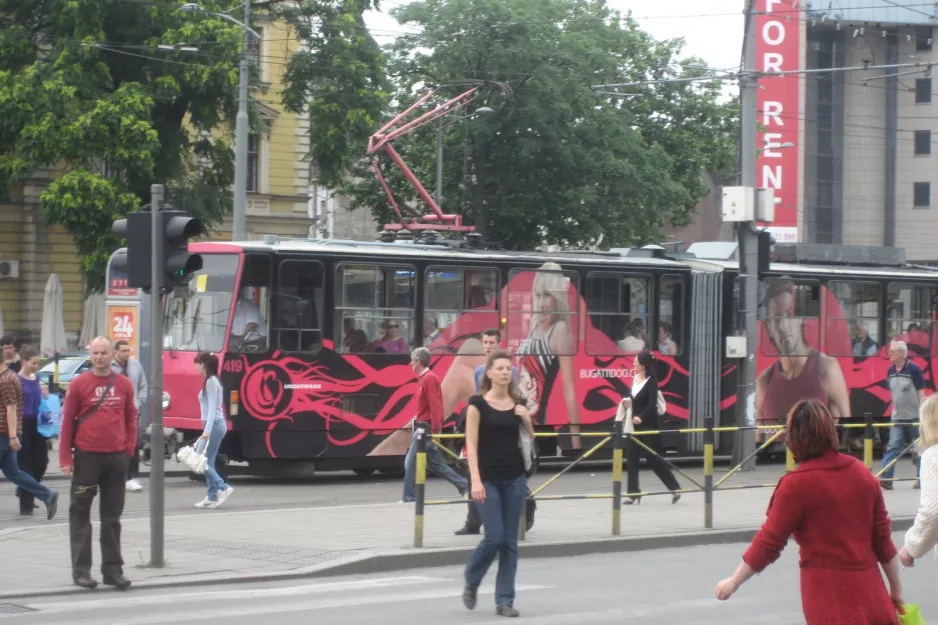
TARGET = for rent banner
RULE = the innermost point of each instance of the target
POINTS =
(778, 49)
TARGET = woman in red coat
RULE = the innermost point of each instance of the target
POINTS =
(834, 507)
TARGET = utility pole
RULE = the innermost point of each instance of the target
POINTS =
(156, 378)
(241, 135)
(748, 250)
(439, 165)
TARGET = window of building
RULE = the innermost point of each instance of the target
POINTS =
(923, 38)
(910, 317)
(922, 142)
(792, 315)
(299, 306)
(670, 308)
(922, 90)
(856, 316)
(458, 301)
(542, 313)
(619, 306)
(253, 163)
(374, 307)
(921, 194)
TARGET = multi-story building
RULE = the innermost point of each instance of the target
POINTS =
(283, 199)
(870, 173)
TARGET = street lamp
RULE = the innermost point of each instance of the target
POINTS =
(241, 121)
(482, 110)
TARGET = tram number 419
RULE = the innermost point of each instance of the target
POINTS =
(232, 366)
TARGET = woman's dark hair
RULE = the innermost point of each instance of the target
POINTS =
(210, 362)
(810, 430)
(646, 359)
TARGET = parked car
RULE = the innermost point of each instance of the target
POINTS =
(70, 366)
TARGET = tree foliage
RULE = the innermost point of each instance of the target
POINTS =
(88, 96)
(337, 79)
(583, 166)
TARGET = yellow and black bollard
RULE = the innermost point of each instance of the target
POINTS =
(868, 442)
(708, 472)
(617, 439)
(421, 481)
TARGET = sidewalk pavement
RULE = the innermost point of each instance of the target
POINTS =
(215, 546)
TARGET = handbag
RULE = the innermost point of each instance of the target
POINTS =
(528, 451)
(662, 404)
(193, 460)
(910, 614)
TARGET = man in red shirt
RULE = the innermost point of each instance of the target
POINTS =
(99, 422)
(430, 411)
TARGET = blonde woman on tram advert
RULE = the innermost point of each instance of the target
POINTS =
(546, 354)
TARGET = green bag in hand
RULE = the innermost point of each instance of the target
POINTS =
(909, 614)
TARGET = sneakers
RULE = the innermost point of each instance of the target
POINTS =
(204, 503)
(212, 504)
(53, 505)
(507, 610)
(470, 595)
(223, 495)
(134, 486)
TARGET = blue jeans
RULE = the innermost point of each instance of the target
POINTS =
(12, 471)
(501, 515)
(900, 436)
(434, 463)
(212, 480)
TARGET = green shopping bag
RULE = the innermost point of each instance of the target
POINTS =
(909, 614)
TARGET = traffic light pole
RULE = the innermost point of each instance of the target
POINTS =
(748, 248)
(156, 380)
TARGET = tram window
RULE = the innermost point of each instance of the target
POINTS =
(299, 304)
(374, 307)
(855, 315)
(910, 317)
(792, 315)
(619, 307)
(249, 326)
(670, 307)
(458, 302)
(542, 312)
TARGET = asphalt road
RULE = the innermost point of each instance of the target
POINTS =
(672, 586)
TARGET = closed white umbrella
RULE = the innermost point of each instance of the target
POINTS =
(52, 339)
(93, 319)
(1, 322)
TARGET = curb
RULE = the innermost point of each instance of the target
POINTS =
(403, 560)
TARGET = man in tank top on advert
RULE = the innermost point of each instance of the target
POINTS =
(800, 372)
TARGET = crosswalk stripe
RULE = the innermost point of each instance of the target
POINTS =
(244, 593)
(215, 611)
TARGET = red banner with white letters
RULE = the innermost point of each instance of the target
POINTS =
(778, 49)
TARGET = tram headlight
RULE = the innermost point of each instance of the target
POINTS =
(166, 400)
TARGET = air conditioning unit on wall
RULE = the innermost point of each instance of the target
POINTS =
(9, 269)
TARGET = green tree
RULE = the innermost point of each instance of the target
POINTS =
(582, 166)
(88, 95)
(338, 79)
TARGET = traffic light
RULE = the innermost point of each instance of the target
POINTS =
(178, 228)
(178, 264)
(137, 262)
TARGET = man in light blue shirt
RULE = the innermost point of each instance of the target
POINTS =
(490, 341)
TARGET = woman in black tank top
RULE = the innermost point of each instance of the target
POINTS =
(499, 481)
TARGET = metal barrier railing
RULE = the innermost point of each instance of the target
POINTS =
(618, 438)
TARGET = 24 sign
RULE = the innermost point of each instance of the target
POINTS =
(123, 325)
